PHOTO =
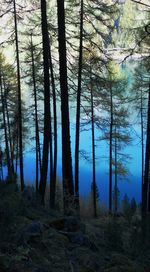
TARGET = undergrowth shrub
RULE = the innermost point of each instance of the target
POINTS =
(113, 234)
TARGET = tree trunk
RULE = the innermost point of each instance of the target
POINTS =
(37, 138)
(149, 153)
(5, 134)
(93, 149)
(147, 164)
(9, 135)
(19, 102)
(68, 188)
(53, 181)
(77, 140)
(110, 151)
(47, 120)
(142, 145)
(1, 166)
(116, 177)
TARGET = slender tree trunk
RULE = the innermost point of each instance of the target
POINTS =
(116, 177)
(47, 119)
(1, 165)
(77, 140)
(110, 151)
(17, 155)
(142, 146)
(19, 102)
(1, 171)
(5, 134)
(53, 181)
(9, 136)
(149, 153)
(68, 187)
(147, 164)
(93, 148)
(37, 138)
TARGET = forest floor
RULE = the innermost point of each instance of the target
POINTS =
(35, 239)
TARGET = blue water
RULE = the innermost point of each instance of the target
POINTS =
(131, 185)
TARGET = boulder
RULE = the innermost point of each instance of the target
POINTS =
(68, 224)
(29, 232)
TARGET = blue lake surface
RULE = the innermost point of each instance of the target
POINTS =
(131, 185)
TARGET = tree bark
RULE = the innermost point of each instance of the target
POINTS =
(53, 181)
(116, 176)
(68, 188)
(147, 164)
(93, 149)
(19, 102)
(142, 144)
(47, 120)
(77, 140)
(37, 138)
(9, 134)
(5, 134)
(110, 151)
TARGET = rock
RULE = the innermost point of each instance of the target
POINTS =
(69, 224)
(80, 239)
(30, 231)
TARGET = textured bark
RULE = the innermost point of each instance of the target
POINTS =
(68, 187)
(19, 102)
(77, 140)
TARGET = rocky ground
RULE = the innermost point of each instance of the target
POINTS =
(34, 239)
